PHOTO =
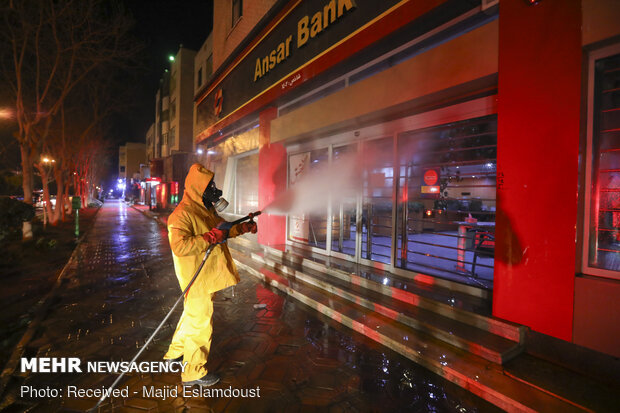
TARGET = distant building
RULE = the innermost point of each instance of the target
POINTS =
(130, 157)
(172, 134)
(150, 143)
(203, 70)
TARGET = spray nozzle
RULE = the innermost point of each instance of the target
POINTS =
(225, 225)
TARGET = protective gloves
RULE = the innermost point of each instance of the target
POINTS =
(248, 227)
(215, 236)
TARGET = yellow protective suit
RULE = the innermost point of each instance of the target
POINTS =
(191, 219)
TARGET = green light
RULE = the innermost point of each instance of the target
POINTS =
(171, 58)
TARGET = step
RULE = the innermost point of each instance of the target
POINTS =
(243, 243)
(489, 346)
(411, 276)
(505, 329)
(468, 371)
(478, 296)
(439, 293)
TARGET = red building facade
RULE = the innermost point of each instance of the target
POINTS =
(512, 107)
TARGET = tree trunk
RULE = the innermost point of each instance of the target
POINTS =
(26, 186)
(67, 200)
(60, 196)
(46, 193)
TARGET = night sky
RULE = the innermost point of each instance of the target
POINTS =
(161, 25)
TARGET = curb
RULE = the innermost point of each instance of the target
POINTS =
(39, 314)
(155, 218)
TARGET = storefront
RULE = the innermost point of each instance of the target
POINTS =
(433, 128)
(400, 228)
(423, 198)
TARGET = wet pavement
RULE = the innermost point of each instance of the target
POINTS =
(120, 286)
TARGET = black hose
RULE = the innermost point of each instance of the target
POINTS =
(250, 216)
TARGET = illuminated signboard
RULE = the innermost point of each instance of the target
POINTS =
(430, 183)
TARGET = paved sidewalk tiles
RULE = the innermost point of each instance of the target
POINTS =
(123, 285)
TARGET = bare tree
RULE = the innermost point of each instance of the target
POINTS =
(50, 47)
(74, 136)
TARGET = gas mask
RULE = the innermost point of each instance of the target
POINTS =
(213, 197)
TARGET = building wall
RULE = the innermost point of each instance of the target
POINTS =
(150, 143)
(122, 162)
(539, 109)
(181, 101)
(401, 83)
(596, 322)
(597, 314)
(136, 155)
(227, 37)
(203, 64)
(600, 20)
(162, 115)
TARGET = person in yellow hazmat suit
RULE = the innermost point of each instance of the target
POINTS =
(192, 228)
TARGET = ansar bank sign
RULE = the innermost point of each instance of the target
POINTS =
(286, 47)
(307, 28)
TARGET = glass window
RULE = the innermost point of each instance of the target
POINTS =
(245, 194)
(172, 137)
(308, 227)
(446, 199)
(199, 78)
(603, 167)
(377, 199)
(237, 11)
(344, 206)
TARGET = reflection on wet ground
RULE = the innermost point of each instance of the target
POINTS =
(121, 286)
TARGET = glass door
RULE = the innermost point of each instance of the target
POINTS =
(446, 199)
(377, 200)
(344, 203)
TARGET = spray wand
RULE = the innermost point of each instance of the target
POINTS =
(225, 225)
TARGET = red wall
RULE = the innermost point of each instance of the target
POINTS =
(271, 181)
(538, 142)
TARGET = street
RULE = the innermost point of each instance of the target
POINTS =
(120, 285)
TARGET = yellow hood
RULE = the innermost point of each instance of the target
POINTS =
(186, 226)
(196, 182)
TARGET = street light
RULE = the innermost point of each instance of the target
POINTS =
(7, 113)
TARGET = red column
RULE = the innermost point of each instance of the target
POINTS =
(538, 143)
(271, 181)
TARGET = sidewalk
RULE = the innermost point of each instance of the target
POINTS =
(122, 285)
(516, 380)
(159, 216)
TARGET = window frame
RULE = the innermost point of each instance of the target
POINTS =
(230, 187)
(585, 257)
(232, 12)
